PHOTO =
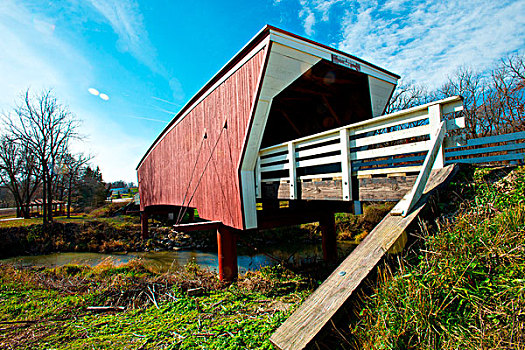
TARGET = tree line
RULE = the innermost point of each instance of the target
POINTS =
(36, 157)
(494, 100)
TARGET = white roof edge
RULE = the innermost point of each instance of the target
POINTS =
(326, 53)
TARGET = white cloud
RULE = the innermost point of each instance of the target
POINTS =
(38, 53)
(308, 11)
(32, 56)
(127, 22)
(176, 88)
(426, 41)
(309, 21)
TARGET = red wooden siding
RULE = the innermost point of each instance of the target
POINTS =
(165, 173)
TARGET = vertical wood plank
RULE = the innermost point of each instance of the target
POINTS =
(329, 236)
(346, 166)
(435, 114)
(292, 170)
(144, 225)
(404, 206)
(258, 182)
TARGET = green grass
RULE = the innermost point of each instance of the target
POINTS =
(237, 316)
(38, 221)
(465, 289)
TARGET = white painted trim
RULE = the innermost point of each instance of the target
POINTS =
(434, 120)
(254, 139)
(318, 161)
(387, 170)
(401, 117)
(405, 205)
(317, 151)
(326, 54)
(292, 171)
(249, 199)
(346, 166)
(258, 189)
(412, 147)
(391, 136)
(276, 167)
(380, 92)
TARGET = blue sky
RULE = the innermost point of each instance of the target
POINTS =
(148, 57)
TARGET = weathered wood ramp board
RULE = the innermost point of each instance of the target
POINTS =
(302, 326)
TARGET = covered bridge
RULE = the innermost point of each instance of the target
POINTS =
(215, 155)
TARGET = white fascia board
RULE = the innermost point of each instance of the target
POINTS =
(326, 54)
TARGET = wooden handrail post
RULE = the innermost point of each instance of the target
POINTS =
(435, 116)
(292, 170)
(346, 167)
(258, 179)
(405, 205)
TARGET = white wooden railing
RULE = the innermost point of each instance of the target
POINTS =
(489, 150)
(398, 142)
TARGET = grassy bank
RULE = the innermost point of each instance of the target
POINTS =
(459, 285)
(463, 287)
(47, 308)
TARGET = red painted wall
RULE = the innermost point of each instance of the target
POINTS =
(166, 172)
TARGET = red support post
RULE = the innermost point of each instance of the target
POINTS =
(327, 223)
(144, 225)
(227, 253)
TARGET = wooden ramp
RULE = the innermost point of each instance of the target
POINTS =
(302, 326)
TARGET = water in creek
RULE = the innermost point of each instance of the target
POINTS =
(164, 260)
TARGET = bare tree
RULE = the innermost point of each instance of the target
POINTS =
(473, 87)
(46, 127)
(407, 95)
(508, 83)
(495, 101)
(18, 172)
(73, 165)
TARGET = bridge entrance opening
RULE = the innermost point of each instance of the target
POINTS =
(324, 97)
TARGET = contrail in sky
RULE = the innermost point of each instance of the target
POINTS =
(160, 99)
(153, 120)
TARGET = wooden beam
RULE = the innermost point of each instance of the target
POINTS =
(375, 189)
(197, 226)
(303, 325)
(292, 170)
(331, 110)
(327, 223)
(227, 253)
(435, 115)
(298, 331)
(144, 225)
(409, 201)
(346, 166)
(308, 91)
(285, 115)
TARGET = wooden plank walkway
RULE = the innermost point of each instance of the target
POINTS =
(302, 326)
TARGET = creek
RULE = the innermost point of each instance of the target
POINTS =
(295, 255)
